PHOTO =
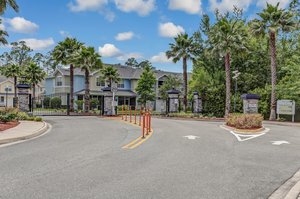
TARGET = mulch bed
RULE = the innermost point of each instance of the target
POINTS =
(8, 125)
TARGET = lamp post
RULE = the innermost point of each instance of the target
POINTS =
(235, 77)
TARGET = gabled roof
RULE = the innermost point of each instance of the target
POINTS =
(4, 79)
(124, 72)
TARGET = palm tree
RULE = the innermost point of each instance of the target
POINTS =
(3, 34)
(110, 74)
(34, 75)
(273, 19)
(88, 60)
(11, 3)
(12, 71)
(184, 47)
(227, 36)
(64, 54)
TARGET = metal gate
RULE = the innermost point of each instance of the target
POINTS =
(54, 104)
(59, 105)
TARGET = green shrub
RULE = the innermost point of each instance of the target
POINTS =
(22, 116)
(38, 119)
(46, 102)
(244, 121)
(56, 102)
(94, 103)
(31, 119)
(79, 104)
(4, 111)
(8, 117)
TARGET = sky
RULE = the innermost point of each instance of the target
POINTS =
(118, 29)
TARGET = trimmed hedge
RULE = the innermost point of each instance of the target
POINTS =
(244, 121)
(8, 117)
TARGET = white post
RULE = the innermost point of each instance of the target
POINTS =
(293, 118)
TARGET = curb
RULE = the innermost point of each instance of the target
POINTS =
(21, 138)
(245, 131)
(289, 190)
(295, 124)
(190, 119)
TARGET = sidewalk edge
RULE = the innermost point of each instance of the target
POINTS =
(34, 134)
(290, 189)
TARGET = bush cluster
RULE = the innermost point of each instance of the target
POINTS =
(12, 114)
(244, 121)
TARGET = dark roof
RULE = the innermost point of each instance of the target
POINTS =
(173, 91)
(120, 93)
(23, 86)
(250, 96)
(3, 78)
(124, 72)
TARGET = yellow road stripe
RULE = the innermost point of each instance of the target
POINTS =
(142, 141)
(137, 142)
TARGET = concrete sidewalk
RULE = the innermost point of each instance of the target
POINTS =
(25, 130)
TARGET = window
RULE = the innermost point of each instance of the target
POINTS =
(160, 83)
(59, 81)
(8, 88)
(121, 84)
(100, 82)
(2, 99)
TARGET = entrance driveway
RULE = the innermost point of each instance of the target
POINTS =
(82, 157)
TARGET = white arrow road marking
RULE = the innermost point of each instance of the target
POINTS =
(280, 142)
(245, 137)
(242, 138)
(191, 137)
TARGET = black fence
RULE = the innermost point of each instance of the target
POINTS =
(59, 104)
(55, 104)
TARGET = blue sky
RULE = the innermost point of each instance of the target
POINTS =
(118, 29)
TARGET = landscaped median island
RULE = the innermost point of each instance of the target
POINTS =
(11, 117)
(245, 123)
(17, 126)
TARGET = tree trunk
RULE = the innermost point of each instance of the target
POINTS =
(87, 91)
(228, 83)
(273, 75)
(71, 88)
(15, 85)
(185, 84)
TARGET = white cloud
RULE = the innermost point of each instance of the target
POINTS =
(39, 44)
(228, 5)
(84, 5)
(21, 25)
(263, 3)
(125, 57)
(65, 33)
(142, 7)
(109, 15)
(189, 6)
(160, 58)
(124, 36)
(2, 27)
(170, 30)
(109, 50)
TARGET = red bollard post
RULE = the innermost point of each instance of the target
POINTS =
(125, 113)
(140, 121)
(143, 127)
(130, 112)
(149, 122)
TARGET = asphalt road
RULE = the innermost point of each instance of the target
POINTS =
(82, 157)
